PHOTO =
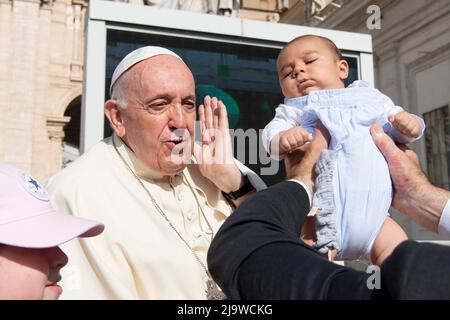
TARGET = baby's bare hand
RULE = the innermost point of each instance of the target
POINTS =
(406, 123)
(293, 138)
(308, 232)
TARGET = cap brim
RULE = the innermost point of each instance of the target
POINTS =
(47, 230)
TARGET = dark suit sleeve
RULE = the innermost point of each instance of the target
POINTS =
(257, 253)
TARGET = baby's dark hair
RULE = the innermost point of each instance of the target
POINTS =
(330, 44)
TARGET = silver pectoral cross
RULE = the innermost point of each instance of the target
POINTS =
(213, 292)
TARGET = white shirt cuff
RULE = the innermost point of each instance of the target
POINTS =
(304, 187)
(444, 221)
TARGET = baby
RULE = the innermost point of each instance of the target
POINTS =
(353, 188)
(30, 232)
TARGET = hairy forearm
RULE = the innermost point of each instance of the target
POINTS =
(425, 204)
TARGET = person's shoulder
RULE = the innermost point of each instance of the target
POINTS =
(83, 169)
(384, 98)
(293, 103)
(363, 89)
(359, 84)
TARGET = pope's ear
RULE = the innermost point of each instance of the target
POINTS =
(114, 114)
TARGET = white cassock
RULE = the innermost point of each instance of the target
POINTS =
(139, 255)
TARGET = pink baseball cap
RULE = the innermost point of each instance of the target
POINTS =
(28, 220)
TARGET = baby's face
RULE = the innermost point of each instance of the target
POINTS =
(30, 274)
(307, 65)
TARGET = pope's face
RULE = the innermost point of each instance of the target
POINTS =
(159, 119)
(30, 273)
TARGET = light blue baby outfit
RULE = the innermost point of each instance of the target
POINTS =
(354, 190)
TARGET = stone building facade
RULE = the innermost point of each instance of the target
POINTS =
(41, 59)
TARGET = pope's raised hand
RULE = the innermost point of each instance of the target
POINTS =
(214, 153)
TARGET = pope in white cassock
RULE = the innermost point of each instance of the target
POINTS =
(160, 211)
